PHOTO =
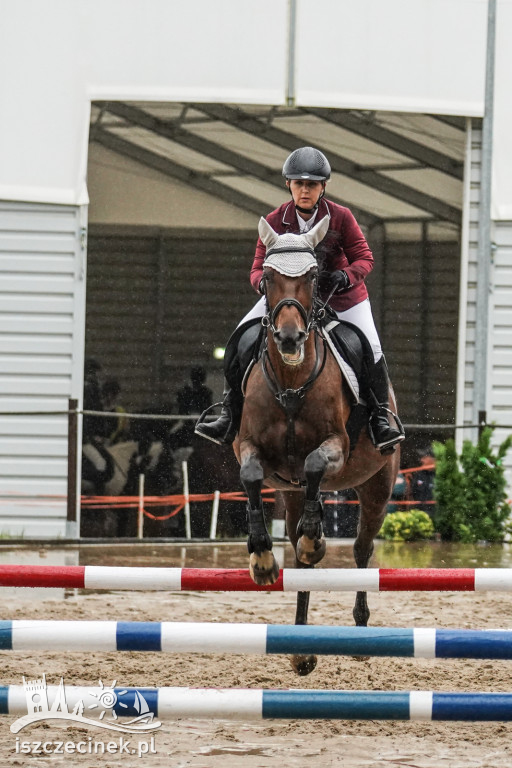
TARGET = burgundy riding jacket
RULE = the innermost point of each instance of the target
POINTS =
(343, 247)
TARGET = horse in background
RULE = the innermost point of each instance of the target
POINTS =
(114, 470)
(293, 434)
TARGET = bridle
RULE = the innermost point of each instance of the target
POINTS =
(291, 400)
(308, 318)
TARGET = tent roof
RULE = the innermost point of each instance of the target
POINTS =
(392, 169)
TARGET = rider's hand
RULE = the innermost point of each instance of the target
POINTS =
(337, 280)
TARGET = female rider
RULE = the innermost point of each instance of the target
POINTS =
(344, 261)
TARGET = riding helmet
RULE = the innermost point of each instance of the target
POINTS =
(307, 163)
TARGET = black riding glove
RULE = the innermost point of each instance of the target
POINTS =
(337, 280)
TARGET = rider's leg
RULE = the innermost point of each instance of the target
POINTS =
(384, 435)
(223, 431)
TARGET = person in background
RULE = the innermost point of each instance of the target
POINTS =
(116, 428)
(422, 481)
(192, 399)
(344, 260)
(92, 426)
(195, 397)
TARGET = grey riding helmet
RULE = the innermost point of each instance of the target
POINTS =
(307, 163)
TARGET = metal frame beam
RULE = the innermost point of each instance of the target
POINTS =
(243, 121)
(170, 168)
(177, 133)
(370, 129)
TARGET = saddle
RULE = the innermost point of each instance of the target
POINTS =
(348, 343)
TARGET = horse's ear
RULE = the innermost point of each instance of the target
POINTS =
(318, 232)
(267, 234)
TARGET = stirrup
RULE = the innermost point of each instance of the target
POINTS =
(202, 422)
(388, 446)
(205, 413)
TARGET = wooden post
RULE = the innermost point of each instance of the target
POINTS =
(482, 421)
(188, 530)
(71, 518)
(215, 515)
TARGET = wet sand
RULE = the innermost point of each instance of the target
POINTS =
(209, 744)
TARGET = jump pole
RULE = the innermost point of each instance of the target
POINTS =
(257, 704)
(239, 580)
(204, 637)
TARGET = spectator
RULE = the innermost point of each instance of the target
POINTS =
(195, 397)
(115, 427)
(92, 427)
(422, 481)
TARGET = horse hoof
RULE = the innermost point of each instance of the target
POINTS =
(310, 551)
(264, 568)
(303, 665)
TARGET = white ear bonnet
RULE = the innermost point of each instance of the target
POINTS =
(292, 255)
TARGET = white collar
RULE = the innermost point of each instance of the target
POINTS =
(305, 226)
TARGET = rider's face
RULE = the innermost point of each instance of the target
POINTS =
(305, 192)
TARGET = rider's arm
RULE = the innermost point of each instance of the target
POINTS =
(359, 259)
(257, 265)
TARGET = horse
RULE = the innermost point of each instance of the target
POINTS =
(114, 470)
(293, 431)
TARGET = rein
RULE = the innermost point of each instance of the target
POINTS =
(291, 400)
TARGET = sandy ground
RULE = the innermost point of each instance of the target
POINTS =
(206, 744)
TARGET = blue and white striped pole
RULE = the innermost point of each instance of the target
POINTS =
(257, 704)
(204, 637)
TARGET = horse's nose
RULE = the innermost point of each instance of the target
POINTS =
(289, 339)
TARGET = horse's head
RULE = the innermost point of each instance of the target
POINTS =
(290, 273)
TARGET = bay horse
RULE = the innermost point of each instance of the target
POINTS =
(293, 434)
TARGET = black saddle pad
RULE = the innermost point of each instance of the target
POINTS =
(244, 345)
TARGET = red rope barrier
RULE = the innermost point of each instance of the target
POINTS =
(178, 501)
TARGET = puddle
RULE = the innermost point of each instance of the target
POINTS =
(242, 749)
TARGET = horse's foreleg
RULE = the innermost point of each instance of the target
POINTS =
(262, 564)
(324, 460)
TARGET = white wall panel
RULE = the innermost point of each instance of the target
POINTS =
(421, 56)
(500, 353)
(44, 128)
(41, 358)
(502, 152)
(61, 54)
(166, 50)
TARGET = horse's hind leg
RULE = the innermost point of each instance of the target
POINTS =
(262, 563)
(373, 498)
(302, 664)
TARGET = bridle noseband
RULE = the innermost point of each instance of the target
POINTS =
(308, 318)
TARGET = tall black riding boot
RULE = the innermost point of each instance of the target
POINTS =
(223, 430)
(383, 435)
